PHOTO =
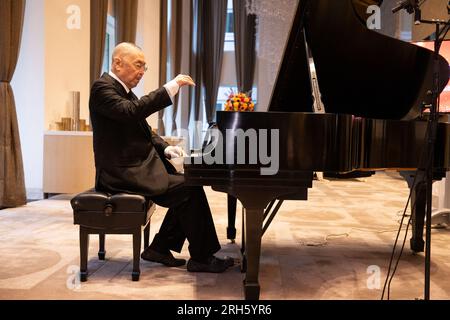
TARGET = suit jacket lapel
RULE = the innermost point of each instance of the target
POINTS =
(117, 84)
(142, 123)
(130, 96)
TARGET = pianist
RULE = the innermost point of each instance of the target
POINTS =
(130, 158)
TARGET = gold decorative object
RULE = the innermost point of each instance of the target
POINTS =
(66, 124)
(74, 123)
(75, 95)
(82, 125)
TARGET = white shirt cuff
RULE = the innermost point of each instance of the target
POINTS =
(172, 89)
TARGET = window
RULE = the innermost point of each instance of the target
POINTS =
(110, 41)
(230, 85)
(229, 28)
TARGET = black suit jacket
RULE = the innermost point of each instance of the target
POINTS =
(129, 157)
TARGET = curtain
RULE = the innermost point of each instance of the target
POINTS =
(176, 39)
(12, 182)
(99, 12)
(163, 53)
(196, 57)
(125, 12)
(244, 42)
(171, 45)
(214, 16)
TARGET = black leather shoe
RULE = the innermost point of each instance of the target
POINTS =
(166, 259)
(229, 261)
(213, 265)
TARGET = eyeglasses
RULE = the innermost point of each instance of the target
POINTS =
(140, 66)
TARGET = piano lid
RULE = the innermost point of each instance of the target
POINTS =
(360, 72)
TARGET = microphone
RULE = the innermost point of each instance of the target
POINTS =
(405, 4)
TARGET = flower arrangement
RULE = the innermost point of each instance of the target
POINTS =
(239, 102)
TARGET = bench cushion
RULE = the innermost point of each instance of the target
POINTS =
(101, 210)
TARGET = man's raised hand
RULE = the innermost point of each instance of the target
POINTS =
(184, 80)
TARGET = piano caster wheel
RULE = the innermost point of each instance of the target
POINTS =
(417, 245)
(101, 255)
(135, 276)
(232, 241)
(83, 276)
(251, 291)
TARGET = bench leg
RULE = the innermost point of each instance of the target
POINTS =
(101, 250)
(136, 254)
(84, 247)
(147, 235)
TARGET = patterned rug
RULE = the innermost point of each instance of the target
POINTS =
(336, 245)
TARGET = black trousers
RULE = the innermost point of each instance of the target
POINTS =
(189, 217)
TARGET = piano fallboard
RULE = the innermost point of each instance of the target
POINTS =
(330, 142)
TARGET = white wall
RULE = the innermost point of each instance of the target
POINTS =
(53, 61)
(66, 59)
(28, 86)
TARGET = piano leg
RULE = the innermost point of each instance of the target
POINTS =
(253, 233)
(418, 208)
(231, 229)
(254, 201)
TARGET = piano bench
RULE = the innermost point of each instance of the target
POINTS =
(101, 213)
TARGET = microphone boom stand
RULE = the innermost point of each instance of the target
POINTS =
(432, 133)
(413, 6)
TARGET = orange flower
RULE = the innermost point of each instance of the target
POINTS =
(239, 102)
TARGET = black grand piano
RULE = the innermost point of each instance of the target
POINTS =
(373, 88)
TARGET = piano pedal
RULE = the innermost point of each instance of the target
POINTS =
(318, 176)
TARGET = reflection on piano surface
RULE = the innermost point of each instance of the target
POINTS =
(372, 87)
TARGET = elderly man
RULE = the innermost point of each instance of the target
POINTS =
(130, 158)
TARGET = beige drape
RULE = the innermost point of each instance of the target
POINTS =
(12, 184)
(170, 53)
(163, 53)
(214, 14)
(175, 40)
(244, 44)
(99, 13)
(195, 68)
(125, 12)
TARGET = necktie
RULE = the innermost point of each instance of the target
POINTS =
(131, 95)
